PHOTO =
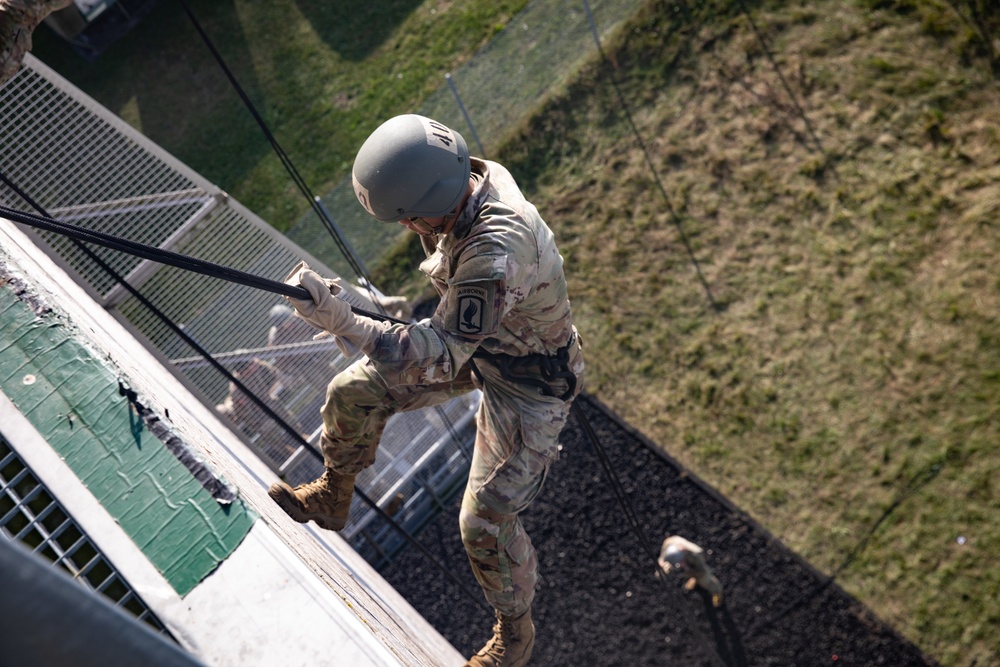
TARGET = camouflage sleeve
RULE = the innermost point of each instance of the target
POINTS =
(474, 303)
(435, 350)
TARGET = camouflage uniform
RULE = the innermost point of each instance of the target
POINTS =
(502, 289)
(18, 19)
(309, 368)
(261, 379)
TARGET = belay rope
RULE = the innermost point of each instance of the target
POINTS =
(286, 161)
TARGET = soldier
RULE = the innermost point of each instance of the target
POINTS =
(18, 19)
(678, 553)
(503, 325)
(261, 379)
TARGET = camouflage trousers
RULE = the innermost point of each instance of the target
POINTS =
(516, 440)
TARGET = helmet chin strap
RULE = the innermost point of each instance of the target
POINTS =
(425, 229)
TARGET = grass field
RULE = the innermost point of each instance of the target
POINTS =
(837, 370)
(800, 300)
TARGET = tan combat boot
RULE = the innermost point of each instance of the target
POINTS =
(327, 500)
(511, 644)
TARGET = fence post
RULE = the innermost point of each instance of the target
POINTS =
(461, 107)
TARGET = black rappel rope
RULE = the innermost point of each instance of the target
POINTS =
(739, 659)
(671, 210)
(286, 161)
(78, 235)
(636, 526)
(162, 256)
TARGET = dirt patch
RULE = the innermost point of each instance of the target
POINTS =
(600, 602)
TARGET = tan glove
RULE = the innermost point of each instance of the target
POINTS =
(331, 314)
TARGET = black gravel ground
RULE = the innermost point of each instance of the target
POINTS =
(600, 601)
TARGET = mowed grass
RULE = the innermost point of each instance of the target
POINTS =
(322, 74)
(827, 354)
(806, 315)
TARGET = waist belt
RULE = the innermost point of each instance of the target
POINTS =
(536, 369)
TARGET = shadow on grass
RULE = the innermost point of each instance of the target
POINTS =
(162, 79)
(354, 30)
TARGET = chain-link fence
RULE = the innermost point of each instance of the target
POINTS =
(484, 100)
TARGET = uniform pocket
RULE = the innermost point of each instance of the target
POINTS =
(515, 482)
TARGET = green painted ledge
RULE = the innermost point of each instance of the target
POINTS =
(71, 396)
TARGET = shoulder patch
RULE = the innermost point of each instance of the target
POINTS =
(474, 302)
(473, 311)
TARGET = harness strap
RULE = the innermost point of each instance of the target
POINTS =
(536, 369)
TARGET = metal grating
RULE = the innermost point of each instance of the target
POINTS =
(30, 515)
(124, 191)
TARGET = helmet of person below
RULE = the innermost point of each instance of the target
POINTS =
(278, 314)
(411, 166)
(676, 556)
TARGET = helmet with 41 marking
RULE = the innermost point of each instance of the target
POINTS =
(411, 167)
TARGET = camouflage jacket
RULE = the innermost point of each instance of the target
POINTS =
(18, 18)
(502, 287)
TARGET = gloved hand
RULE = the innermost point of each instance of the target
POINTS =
(329, 313)
(325, 311)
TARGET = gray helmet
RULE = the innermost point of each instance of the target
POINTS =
(675, 555)
(278, 314)
(411, 166)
